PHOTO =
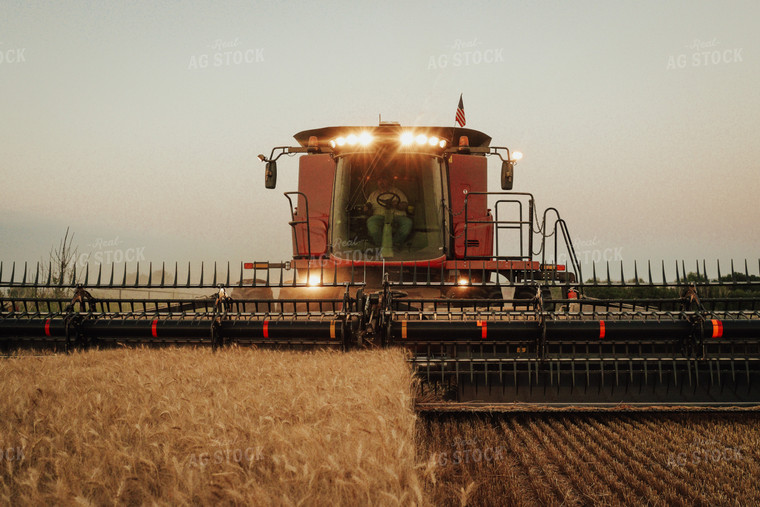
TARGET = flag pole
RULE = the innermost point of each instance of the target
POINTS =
(459, 119)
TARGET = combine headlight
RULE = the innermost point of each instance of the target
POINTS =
(365, 138)
(314, 280)
(463, 281)
(515, 156)
(410, 138)
(407, 138)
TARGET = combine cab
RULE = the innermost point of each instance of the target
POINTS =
(397, 241)
(432, 226)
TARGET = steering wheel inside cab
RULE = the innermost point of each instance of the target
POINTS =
(389, 199)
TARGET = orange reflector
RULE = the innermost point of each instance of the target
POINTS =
(256, 265)
(717, 328)
(403, 329)
(313, 142)
(154, 328)
(483, 328)
(266, 329)
(602, 329)
(464, 141)
(47, 327)
(332, 329)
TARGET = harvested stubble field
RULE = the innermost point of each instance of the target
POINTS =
(594, 458)
(242, 426)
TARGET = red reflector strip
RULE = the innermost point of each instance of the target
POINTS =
(717, 328)
(266, 329)
(602, 329)
(47, 327)
(248, 265)
(483, 329)
(403, 329)
(154, 328)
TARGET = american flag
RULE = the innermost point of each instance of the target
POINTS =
(460, 112)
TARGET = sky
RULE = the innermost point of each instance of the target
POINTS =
(137, 124)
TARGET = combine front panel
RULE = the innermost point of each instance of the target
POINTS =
(473, 232)
(312, 214)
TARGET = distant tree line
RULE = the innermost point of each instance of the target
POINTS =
(738, 290)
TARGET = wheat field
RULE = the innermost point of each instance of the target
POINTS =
(187, 426)
(256, 427)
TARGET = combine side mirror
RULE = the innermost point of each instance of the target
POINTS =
(270, 174)
(507, 174)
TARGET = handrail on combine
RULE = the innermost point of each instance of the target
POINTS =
(294, 223)
(521, 224)
(507, 225)
(571, 255)
(503, 224)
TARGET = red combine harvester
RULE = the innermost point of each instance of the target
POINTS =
(397, 241)
(433, 217)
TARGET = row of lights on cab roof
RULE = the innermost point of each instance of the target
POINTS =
(406, 139)
(365, 139)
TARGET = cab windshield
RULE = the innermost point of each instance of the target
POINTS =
(404, 218)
